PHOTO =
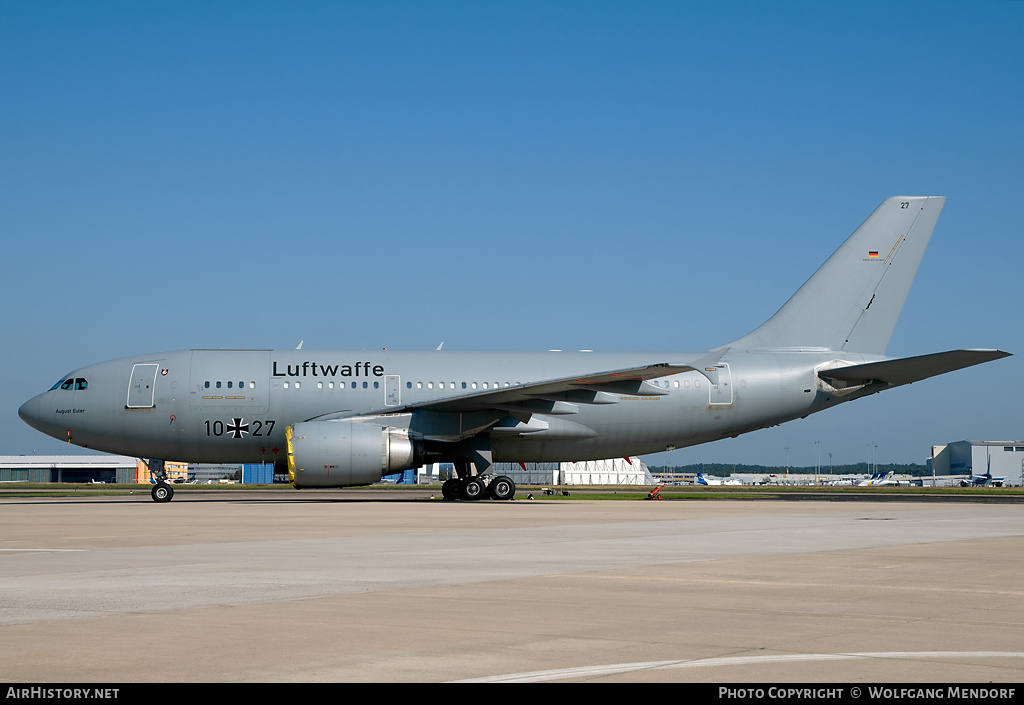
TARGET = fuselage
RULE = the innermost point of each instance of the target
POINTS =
(234, 405)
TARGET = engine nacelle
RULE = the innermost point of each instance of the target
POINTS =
(342, 453)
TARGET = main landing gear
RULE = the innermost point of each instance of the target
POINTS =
(497, 487)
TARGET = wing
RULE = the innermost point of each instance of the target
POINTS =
(560, 394)
(467, 414)
(531, 408)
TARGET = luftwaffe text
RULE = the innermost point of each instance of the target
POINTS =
(313, 369)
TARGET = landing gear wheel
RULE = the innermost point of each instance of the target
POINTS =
(162, 492)
(451, 489)
(502, 488)
(473, 489)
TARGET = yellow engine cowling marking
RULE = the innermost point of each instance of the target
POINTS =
(291, 455)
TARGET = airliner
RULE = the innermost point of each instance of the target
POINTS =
(343, 418)
(881, 479)
(701, 480)
(985, 480)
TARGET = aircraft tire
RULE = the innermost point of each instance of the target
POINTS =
(473, 489)
(162, 492)
(451, 490)
(502, 488)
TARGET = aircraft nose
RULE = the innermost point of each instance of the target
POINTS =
(29, 412)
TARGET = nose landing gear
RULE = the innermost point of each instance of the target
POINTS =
(162, 491)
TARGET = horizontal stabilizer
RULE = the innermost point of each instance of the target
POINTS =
(911, 369)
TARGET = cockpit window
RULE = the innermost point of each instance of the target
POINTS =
(71, 383)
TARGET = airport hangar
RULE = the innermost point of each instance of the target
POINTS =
(1003, 459)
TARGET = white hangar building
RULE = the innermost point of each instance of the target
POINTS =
(976, 458)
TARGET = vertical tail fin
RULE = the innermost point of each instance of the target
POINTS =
(853, 301)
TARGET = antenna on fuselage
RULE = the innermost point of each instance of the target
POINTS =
(299, 346)
(439, 345)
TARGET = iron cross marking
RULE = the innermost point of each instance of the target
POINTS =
(236, 428)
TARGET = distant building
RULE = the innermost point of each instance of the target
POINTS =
(614, 471)
(258, 474)
(69, 468)
(204, 473)
(975, 458)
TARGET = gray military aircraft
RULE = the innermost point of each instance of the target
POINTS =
(340, 418)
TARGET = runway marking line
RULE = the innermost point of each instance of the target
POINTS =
(615, 668)
(782, 583)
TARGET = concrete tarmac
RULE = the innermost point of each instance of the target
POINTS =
(286, 586)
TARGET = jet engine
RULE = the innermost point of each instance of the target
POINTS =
(341, 453)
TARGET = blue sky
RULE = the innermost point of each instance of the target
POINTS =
(612, 176)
